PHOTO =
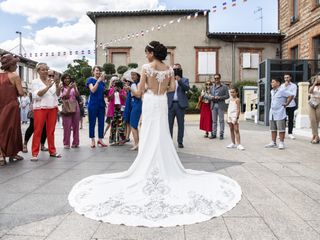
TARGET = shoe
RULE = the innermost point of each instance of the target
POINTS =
(93, 145)
(271, 145)
(206, 135)
(75, 146)
(180, 145)
(101, 144)
(66, 147)
(231, 145)
(15, 158)
(134, 148)
(281, 146)
(44, 149)
(55, 155)
(212, 136)
(240, 147)
(34, 158)
(24, 148)
(291, 136)
(128, 140)
(315, 141)
(2, 161)
(221, 137)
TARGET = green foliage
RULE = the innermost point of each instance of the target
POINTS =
(122, 69)
(193, 96)
(109, 68)
(132, 65)
(241, 84)
(80, 70)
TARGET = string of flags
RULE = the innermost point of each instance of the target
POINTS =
(135, 35)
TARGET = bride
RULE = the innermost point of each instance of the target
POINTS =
(156, 191)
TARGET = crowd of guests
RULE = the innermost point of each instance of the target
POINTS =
(118, 104)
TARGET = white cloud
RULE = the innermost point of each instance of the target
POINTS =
(28, 27)
(63, 11)
(68, 37)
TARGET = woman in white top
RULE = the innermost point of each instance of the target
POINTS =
(314, 108)
(24, 108)
(45, 91)
(233, 119)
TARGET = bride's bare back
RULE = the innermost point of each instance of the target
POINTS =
(158, 78)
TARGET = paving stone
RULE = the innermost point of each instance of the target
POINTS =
(280, 169)
(215, 229)
(116, 232)
(74, 227)
(14, 237)
(242, 209)
(249, 228)
(306, 186)
(315, 225)
(8, 198)
(38, 228)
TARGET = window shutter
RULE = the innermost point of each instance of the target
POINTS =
(246, 61)
(255, 60)
(202, 62)
(211, 66)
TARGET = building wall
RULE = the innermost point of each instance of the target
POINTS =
(302, 31)
(184, 39)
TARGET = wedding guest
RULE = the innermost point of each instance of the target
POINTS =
(10, 125)
(233, 119)
(314, 108)
(96, 105)
(280, 98)
(128, 107)
(205, 111)
(24, 107)
(82, 113)
(109, 110)
(70, 121)
(45, 92)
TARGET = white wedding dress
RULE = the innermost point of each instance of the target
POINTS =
(156, 191)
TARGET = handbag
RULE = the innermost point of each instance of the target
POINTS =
(68, 107)
(30, 114)
(313, 103)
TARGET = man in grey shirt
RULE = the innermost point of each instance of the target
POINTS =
(219, 93)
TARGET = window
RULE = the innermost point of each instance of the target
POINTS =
(294, 52)
(317, 2)
(118, 56)
(295, 9)
(207, 63)
(316, 44)
(119, 59)
(250, 60)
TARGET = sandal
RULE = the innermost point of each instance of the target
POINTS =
(44, 149)
(34, 158)
(74, 146)
(2, 161)
(24, 148)
(55, 155)
(15, 158)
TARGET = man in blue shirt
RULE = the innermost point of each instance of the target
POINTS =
(280, 99)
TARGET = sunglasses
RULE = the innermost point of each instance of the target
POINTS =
(51, 75)
(216, 78)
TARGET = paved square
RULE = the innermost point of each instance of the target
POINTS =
(281, 190)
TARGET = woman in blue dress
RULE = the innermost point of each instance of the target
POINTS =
(128, 107)
(136, 107)
(96, 105)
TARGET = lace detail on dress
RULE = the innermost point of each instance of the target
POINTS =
(159, 75)
(157, 207)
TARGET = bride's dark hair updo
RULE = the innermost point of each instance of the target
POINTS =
(158, 49)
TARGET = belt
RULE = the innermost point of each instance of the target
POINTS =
(175, 101)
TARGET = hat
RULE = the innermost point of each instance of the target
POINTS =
(127, 76)
(8, 60)
(134, 70)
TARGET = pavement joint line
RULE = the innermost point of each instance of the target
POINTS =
(225, 224)
(298, 215)
(55, 228)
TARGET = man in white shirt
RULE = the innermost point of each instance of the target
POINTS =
(291, 87)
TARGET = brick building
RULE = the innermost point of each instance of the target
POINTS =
(299, 21)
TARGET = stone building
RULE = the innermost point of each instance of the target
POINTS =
(201, 53)
(299, 21)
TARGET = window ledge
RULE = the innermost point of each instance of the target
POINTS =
(294, 22)
(316, 6)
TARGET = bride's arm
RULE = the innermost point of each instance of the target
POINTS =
(142, 84)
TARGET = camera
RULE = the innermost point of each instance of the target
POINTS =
(177, 72)
(118, 84)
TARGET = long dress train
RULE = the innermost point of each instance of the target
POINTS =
(156, 190)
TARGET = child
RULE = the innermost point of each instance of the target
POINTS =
(233, 119)
(280, 98)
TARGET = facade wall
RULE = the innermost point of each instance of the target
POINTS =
(183, 40)
(299, 32)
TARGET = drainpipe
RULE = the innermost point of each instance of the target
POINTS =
(234, 60)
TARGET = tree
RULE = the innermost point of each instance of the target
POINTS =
(132, 65)
(122, 69)
(109, 68)
(80, 70)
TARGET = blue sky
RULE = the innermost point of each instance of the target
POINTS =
(43, 24)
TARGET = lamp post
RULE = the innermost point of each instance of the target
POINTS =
(20, 42)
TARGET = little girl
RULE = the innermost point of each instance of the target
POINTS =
(233, 119)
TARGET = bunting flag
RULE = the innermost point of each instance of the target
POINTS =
(224, 5)
(140, 33)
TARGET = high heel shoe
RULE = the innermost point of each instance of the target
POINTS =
(101, 144)
(134, 148)
(93, 145)
(2, 161)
